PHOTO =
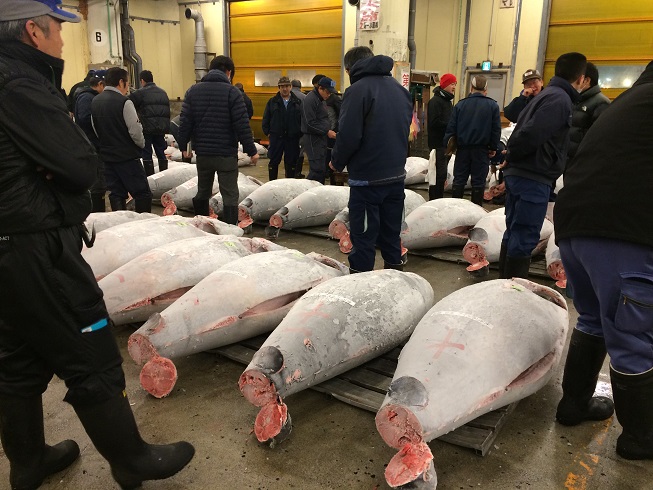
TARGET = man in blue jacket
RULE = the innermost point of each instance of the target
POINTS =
(476, 124)
(372, 143)
(215, 117)
(537, 151)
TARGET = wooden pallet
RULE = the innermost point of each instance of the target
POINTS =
(365, 387)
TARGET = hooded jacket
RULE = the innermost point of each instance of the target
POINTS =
(214, 116)
(374, 123)
(537, 149)
(37, 137)
(609, 183)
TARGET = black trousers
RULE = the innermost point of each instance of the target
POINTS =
(289, 148)
(159, 143)
(53, 320)
(127, 177)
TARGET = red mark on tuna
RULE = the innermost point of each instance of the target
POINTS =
(121, 278)
(440, 346)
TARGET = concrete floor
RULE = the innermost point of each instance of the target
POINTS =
(334, 445)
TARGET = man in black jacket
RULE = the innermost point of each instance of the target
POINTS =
(535, 158)
(317, 127)
(373, 143)
(53, 319)
(248, 101)
(607, 252)
(82, 115)
(121, 142)
(153, 108)
(590, 106)
(476, 124)
(282, 122)
(439, 112)
(214, 116)
(533, 84)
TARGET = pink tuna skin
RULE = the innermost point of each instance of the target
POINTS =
(141, 349)
(158, 377)
(345, 243)
(257, 388)
(166, 200)
(270, 421)
(413, 461)
(398, 426)
(337, 229)
(244, 210)
(557, 271)
(170, 209)
(475, 255)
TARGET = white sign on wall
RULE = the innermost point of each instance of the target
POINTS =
(369, 15)
(99, 37)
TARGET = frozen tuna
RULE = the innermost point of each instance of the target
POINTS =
(246, 185)
(154, 280)
(181, 197)
(337, 326)
(102, 221)
(416, 170)
(484, 243)
(267, 199)
(478, 349)
(242, 299)
(119, 244)
(339, 228)
(441, 223)
(161, 182)
(314, 207)
(554, 262)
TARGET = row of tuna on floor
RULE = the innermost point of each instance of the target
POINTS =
(293, 203)
(197, 290)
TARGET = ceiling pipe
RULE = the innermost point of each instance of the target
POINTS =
(199, 58)
(129, 53)
(412, 46)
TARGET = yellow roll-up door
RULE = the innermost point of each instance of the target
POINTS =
(616, 37)
(283, 36)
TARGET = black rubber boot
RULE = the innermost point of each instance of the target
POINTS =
(502, 260)
(163, 165)
(98, 203)
(584, 360)
(397, 267)
(273, 172)
(436, 191)
(148, 165)
(31, 460)
(142, 205)
(477, 195)
(201, 207)
(117, 204)
(112, 429)
(516, 267)
(633, 401)
(457, 191)
(230, 215)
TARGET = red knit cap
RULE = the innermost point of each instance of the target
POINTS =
(447, 79)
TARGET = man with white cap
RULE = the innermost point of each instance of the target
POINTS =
(53, 319)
